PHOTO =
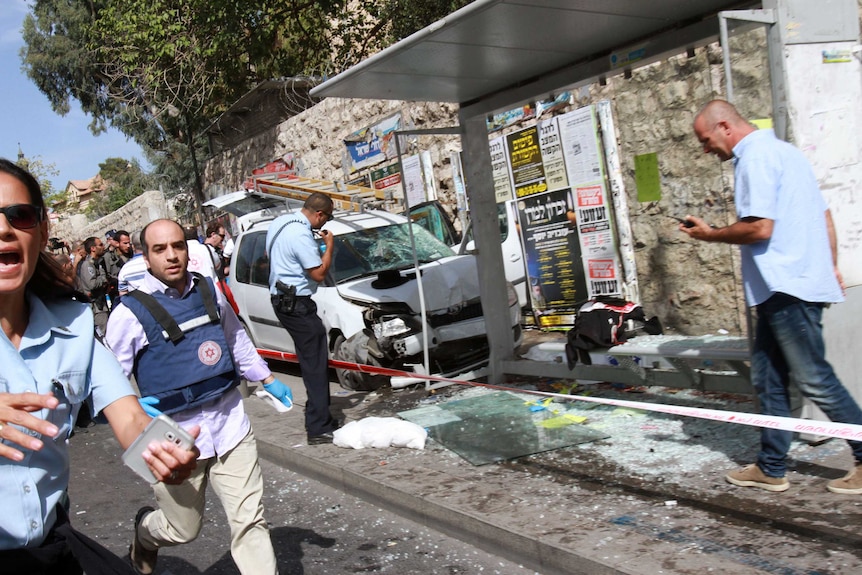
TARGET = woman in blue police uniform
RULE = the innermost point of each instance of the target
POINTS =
(51, 364)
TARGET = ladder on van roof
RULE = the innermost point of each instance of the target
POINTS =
(345, 197)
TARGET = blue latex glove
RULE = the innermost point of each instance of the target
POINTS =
(281, 392)
(149, 403)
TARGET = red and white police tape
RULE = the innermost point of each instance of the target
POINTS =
(824, 428)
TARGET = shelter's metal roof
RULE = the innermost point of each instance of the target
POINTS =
(492, 46)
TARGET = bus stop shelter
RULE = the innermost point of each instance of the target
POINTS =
(495, 55)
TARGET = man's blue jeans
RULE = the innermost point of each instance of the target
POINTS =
(789, 344)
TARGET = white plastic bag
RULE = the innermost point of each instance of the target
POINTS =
(380, 432)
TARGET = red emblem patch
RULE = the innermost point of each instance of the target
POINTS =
(209, 353)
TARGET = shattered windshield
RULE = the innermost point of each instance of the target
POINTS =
(366, 252)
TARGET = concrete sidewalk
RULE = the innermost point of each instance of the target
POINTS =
(649, 499)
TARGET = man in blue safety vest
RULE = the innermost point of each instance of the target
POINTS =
(180, 338)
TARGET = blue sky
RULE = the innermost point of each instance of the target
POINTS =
(28, 118)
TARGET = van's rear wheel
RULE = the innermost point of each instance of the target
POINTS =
(355, 350)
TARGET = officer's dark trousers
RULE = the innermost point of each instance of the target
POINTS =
(309, 339)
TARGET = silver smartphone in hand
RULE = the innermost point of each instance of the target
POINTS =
(162, 428)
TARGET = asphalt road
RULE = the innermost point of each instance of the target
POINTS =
(315, 529)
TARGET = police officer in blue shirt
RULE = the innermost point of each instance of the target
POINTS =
(51, 364)
(296, 267)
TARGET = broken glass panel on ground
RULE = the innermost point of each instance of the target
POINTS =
(501, 425)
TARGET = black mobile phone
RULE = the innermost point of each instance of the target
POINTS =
(684, 222)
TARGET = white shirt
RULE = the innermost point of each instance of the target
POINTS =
(200, 260)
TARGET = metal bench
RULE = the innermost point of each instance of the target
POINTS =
(699, 359)
(668, 361)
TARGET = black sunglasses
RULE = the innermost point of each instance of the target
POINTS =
(22, 216)
(328, 215)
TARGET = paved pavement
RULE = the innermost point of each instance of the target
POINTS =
(315, 529)
(649, 499)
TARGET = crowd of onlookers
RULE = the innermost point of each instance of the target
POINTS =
(100, 275)
(93, 265)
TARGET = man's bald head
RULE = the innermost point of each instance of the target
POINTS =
(719, 127)
(718, 111)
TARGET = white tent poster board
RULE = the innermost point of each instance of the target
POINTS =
(826, 122)
(414, 188)
(552, 154)
(567, 262)
(581, 146)
(504, 190)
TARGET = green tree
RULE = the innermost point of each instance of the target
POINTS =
(401, 18)
(43, 172)
(160, 71)
(124, 181)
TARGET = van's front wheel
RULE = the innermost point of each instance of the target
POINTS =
(355, 350)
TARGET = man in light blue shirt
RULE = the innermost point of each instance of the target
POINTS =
(790, 272)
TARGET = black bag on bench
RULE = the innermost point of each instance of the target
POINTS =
(604, 322)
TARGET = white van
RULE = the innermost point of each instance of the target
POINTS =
(370, 303)
(250, 206)
(514, 264)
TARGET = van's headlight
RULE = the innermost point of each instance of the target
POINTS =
(513, 295)
(389, 327)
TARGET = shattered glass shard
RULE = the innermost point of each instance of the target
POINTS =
(498, 426)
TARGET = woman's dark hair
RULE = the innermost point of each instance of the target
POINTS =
(48, 280)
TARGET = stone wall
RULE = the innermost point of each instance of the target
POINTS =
(317, 136)
(132, 217)
(694, 287)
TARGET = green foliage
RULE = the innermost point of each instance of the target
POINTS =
(408, 16)
(172, 167)
(43, 172)
(56, 57)
(160, 71)
(124, 181)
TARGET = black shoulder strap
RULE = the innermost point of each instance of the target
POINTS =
(168, 323)
(275, 237)
(213, 254)
(161, 315)
(204, 287)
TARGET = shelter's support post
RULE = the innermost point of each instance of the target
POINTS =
(492, 279)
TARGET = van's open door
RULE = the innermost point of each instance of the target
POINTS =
(432, 217)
